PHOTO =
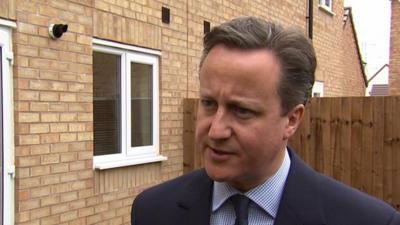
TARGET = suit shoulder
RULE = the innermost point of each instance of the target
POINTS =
(341, 200)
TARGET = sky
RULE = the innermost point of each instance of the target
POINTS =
(372, 24)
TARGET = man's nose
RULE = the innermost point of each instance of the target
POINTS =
(220, 127)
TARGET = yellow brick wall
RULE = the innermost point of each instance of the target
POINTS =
(394, 61)
(53, 82)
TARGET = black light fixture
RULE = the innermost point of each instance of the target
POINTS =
(57, 30)
(165, 15)
(207, 27)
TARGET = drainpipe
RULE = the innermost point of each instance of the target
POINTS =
(310, 19)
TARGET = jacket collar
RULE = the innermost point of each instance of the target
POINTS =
(301, 203)
(195, 201)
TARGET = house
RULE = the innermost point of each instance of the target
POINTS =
(92, 114)
(394, 58)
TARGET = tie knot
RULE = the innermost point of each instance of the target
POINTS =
(241, 206)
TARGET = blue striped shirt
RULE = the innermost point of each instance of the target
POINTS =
(265, 199)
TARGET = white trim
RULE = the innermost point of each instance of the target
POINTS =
(96, 41)
(136, 155)
(8, 23)
(8, 128)
(327, 8)
(128, 162)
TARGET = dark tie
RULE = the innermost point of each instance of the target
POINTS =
(241, 205)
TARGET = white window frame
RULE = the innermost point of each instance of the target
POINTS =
(8, 128)
(325, 7)
(318, 88)
(132, 155)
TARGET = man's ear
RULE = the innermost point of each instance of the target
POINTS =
(294, 118)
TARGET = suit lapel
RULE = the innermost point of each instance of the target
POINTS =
(195, 204)
(300, 204)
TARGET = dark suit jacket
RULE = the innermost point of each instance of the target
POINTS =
(309, 198)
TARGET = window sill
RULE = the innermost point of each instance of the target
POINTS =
(327, 10)
(128, 162)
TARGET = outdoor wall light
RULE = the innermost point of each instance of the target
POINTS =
(57, 30)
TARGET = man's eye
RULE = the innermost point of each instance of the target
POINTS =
(207, 103)
(243, 112)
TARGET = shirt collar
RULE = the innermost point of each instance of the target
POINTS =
(273, 186)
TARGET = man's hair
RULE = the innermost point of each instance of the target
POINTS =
(293, 50)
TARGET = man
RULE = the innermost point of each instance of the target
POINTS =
(255, 78)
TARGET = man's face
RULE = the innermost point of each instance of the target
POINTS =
(240, 129)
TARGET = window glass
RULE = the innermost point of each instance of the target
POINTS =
(106, 103)
(141, 104)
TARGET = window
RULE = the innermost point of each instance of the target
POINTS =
(125, 105)
(318, 89)
(326, 3)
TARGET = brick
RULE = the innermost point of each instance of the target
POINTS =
(48, 54)
(22, 216)
(27, 95)
(22, 128)
(60, 168)
(23, 117)
(68, 97)
(40, 149)
(27, 50)
(77, 166)
(68, 197)
(23, 195)
(39, 42)
(85, 136)
(59, 127)
(51, 179)
(27, 28)
(60, 188)
(69, 216)
(85, 117)
(49, 159)
(28, 139)
(49, 117)
(85, 212)
(68, 157)
(40, 170)
(22, 150)
(49, 96)
(68, 137)
(22, 172)
(30, 204)
(68, 117)
(39, 213)
(95, 219)
(58, 107)
(21, 106)
(49, 75)
(49, 200)
(39, 106)
(59, 147)
(39, 128)
(50, 220)
(49, 138)
(60, 208)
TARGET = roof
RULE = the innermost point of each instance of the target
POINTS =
(348, 15)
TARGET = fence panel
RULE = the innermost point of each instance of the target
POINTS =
(354, 139)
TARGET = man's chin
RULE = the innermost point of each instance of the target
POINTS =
(217, 174)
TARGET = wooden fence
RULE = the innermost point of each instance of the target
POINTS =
(354, 139)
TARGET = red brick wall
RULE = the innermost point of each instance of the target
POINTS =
(394, 61)
(354, 84)
(335, 50)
